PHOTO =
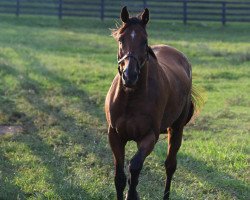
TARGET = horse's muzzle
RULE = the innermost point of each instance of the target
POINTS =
(129, 78)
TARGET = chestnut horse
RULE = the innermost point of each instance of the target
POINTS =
(151, 94)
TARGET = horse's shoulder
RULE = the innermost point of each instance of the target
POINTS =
(112, 90)
(110, 98)
(114, 83)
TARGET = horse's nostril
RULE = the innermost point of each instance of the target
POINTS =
(125, 74)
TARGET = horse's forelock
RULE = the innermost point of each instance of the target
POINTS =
(119, 30)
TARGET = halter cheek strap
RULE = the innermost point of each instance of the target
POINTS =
(130, 55)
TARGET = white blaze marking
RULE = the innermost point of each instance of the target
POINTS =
(133, 34)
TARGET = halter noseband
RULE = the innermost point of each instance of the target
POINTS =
(130, 55)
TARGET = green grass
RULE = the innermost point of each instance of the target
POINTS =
(54, 76)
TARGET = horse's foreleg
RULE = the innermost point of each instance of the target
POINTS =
(174, 143)
(118, 149)
(145, 147)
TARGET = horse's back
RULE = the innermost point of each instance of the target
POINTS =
(176, 71)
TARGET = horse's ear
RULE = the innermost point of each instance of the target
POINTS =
(145, 16)
(124, 14)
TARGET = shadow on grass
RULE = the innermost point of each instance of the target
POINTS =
(69, 125)
(78, 24)
(36, 143)
(7, 173)
(220, 181)
(89, 139)
(158, 29)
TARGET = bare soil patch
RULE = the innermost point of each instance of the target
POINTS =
(4, 129)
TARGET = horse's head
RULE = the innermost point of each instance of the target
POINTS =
(133, 46)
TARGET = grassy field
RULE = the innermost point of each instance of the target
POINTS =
(54, 76)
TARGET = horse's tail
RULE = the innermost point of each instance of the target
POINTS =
(197, 103)
(197, 99)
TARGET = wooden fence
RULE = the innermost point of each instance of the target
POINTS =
(184, 10)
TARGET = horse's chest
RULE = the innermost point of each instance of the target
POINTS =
(133, 127)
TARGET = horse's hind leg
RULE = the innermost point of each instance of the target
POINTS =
(145, 147)
(118, 149)
(174, 143)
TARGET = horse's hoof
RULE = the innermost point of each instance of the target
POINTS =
(134, 196)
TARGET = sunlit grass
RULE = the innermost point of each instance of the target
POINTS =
(54, 76)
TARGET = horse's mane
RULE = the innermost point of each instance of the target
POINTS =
(151, 52)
